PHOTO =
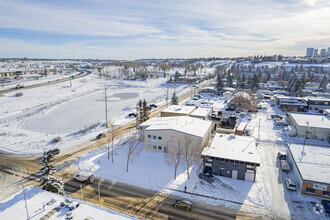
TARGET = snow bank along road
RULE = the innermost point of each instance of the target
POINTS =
(46, 83)
(128, 199)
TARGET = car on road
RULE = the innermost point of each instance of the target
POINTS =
(151, 106)
(132, 114)
(282, 155)
(183, 203)
(18, 86)
(281, 123)
(54, 151)
(207, 177)
(277, 116)
(101, 135)
(326, 205)
(291, 184)
(285, 166)
(84, 177)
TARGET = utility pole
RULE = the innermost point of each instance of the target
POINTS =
(106, 106)
(82, 195)
(99, 191)
(167, 96)
(259, 130)
(27, 212)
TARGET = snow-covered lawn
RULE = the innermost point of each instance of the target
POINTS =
(29, 123)
(37, 199)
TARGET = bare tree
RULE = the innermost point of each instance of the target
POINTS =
(133, 147)
(113, 133)
(191, 152)
(164, 67)
(173, 155)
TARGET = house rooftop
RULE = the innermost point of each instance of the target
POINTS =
(314, 120)
(184, 124)
(238, 148)
(313, 162)
(182, 109)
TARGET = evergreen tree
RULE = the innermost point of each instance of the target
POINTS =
(146, 111)
(243, 81)
(176, 76)
(255, 82)
(269, 77)
(47, 181)
(303, 80)
(219, 85)
(139, 112)
(323, 84)
(174, 100)
(238, 82)
(229, 80)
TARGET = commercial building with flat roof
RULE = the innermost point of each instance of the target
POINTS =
(232, 156)
(311, 167)
(177, 110)
(316, 125)
(158, 132)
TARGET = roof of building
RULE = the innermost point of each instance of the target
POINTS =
(181, 109)
(238, 148)
(184, 124)
(313, 162)
(314, 120)
(201, 112)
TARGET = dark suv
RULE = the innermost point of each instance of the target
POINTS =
(102, 135)
(207, 177)
(326, 205)
(182, 203)
(54, 151)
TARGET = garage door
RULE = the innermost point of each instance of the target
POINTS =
(249, 176)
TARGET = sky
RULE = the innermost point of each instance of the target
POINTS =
(138, 29)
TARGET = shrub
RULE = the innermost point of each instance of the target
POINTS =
(17, 94)
(57, 139)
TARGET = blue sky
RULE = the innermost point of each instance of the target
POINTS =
(130, 29)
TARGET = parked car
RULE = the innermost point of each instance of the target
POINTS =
(326, 205)
(207, 177)
(277, 116)
(54, 151)
(18, 86)
(132, 114)
(101, 135)
(183, 203)
(291, 184)
(285, 166)
(281, 123)
(281, 155)
(84, 177)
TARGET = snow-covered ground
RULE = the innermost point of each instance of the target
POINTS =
(29, 123)
(40, 202)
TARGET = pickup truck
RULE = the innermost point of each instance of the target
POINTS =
(285, 166)
(18, 86)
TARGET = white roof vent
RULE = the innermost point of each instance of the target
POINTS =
(232, 136)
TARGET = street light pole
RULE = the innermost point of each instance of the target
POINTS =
(106, 106)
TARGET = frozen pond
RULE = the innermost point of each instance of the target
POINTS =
(77, 114)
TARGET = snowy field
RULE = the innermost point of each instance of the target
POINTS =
(39, 204)
(29, 123)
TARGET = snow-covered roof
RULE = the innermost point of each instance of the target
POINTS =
(313, 162)
(181, 109)
(238, 148)
(314, 120)
(201, 112)
(184, 124)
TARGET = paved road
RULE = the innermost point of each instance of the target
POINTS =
(123, 198)
(44, 84)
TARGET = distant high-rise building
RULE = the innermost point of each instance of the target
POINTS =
(328, 51)
(309, 52)
(322, 52)
(316, 52)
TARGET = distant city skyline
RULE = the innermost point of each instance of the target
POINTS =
(129, 29)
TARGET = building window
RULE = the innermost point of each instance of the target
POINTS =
(249, 166)
(209, 160)
(159, 147)
(310, 190)
(316, 103)
(326, 193)
(154, 146)
(154, 137)
(149, 146)
(159, 137)
(222, 161)
(235, 163)
(149, 136)
(326, 103)
(316, 108)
